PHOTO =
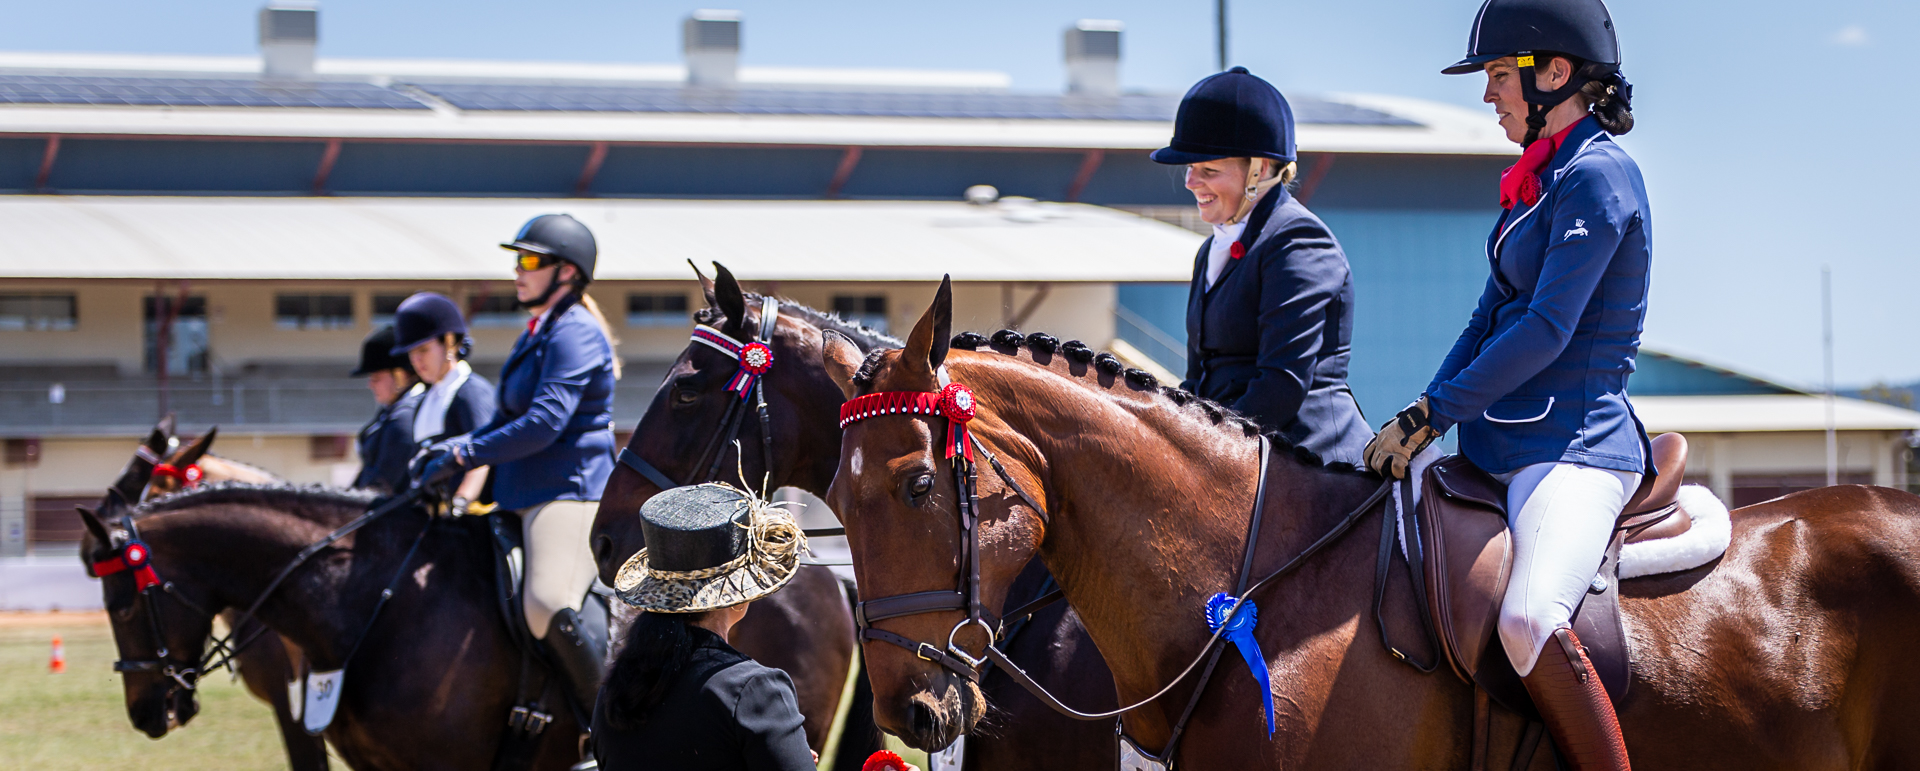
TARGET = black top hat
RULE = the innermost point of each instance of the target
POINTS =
(376, 354)
(1234, 114)
(709, 546)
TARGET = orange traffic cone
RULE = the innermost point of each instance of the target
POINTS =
(58, 663)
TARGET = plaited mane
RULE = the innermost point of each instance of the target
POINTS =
(864, 336)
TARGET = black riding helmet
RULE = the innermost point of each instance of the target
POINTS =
(1536, 30)
(426, 316)
(376, 354)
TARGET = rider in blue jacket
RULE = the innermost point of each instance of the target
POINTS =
(551, 443)
(1270, 309)
(386, 443)
(1538, 381)
(432, 334)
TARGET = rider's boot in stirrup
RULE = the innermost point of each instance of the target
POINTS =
(581, 657)
(1575, 706)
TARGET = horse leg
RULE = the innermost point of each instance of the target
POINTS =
(266, 667)
(806, 631)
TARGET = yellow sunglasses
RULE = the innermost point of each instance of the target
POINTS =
(529, 261)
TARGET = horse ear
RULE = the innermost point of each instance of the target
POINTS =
(842, 359)
(197, 450)
(927, 346)
(95, 527)
(706, 284)
(165, 428)
(731, 300)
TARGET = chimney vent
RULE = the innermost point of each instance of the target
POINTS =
(711, 40)
(288, 35)
(1093, 58)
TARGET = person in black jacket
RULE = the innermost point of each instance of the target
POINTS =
(678, 695)
(386, 442)
(1270, 310)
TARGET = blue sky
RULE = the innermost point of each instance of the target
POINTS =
(1769, 131)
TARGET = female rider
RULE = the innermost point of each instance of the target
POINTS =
(1538, 381)
(431, 333)
(1270, 309)
(552, 441)
(386, 442)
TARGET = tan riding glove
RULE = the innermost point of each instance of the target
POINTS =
(1391, 451)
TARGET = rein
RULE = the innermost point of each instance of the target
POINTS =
(956, 403)
(134, 555)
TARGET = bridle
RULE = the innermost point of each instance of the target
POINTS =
(133, 555)
(756, 359)
(956, 403)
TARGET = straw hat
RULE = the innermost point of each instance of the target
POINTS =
(709, 546)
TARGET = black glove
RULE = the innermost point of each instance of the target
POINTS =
(435, 468)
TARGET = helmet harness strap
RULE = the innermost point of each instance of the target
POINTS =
(1255, 186)
(1539, 102)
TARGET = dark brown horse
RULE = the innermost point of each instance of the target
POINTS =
(435, 673)
(802, 404)
(1790, 652)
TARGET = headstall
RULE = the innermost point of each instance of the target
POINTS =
(755, 356)
(189, 476)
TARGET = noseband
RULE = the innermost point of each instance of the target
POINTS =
(756, 359)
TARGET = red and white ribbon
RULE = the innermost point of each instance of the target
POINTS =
(135, 557)
(755, 357)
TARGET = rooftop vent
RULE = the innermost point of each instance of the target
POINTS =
(288, 35)
(711, 40)
(1093, 58)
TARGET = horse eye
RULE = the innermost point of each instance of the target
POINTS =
(919, 487)
(685, 396)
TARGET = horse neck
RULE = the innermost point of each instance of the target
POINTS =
(1152, 513)
(231, 553)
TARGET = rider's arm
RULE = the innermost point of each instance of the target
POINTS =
(1463, 348)
(1299, 282)
(574, 353)
(1577, 257)
(770, 729)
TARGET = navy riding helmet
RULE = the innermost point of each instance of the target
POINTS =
(426, 316)
(1537, 30)
(1234, 114)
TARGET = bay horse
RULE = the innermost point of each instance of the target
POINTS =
(1789, 652)
(802, 402)
(432, 675)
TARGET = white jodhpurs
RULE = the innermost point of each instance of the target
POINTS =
(560, 565)
(1561, 516)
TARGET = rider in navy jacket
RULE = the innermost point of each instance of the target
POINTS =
(1270, 310)
(386, 443)
(552, 438)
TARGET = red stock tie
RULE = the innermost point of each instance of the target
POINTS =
(1520, 183)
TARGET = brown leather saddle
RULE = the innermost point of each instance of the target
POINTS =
(1468, 559)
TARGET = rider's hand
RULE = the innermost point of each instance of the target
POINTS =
(437, 467)
(1391, 451)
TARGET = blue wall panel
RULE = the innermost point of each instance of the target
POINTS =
(716, 172)
(136, 166)
(1130, 178)
(946, 174)
(458, 169)
(20, 163)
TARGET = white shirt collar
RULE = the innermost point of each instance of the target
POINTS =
(430, 418)
(1221, 250)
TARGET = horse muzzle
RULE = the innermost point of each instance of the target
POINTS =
(931, 717)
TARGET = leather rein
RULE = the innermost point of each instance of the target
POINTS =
(956, 403)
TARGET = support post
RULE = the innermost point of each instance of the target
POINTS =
(46, 163)
(595, 157)
(848, 160)
(1323, 163)
(1088, 165)
(325, 169)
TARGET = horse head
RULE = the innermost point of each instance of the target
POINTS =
(159, 636)
(182, 467)
(689, 432)
(898, 494)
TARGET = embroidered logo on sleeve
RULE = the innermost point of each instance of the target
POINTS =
(1579, 229)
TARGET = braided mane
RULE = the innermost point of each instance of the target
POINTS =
(862, 335)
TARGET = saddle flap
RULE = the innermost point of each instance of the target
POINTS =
(1467, 558)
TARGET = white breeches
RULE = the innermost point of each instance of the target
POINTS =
(1561, 516)
(560, 565)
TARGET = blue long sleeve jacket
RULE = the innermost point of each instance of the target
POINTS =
(1540, 373)
(552, 438)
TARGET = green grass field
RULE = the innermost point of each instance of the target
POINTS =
(78, 720)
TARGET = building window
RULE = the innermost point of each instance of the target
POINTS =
(313, 311)
(186, 342)
(868, 309)
(37, 313)
(52, 520)
(495, 311)
(328, 447)
(384, 306)
(656, 310)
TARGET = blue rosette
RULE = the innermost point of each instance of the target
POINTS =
(1239, 632)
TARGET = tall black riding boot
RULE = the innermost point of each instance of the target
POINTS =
(581, 654)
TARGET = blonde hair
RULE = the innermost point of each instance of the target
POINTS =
(613, 343)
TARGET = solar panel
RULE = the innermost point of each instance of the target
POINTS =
(1131, 107)
(197, 92)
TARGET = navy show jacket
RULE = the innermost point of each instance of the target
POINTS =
(386, 445)
(552, 439)
(1540, 374)
(1273, 336)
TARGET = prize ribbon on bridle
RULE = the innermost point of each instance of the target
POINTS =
(754, 356)
(1239, 632)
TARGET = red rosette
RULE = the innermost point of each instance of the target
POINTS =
(136, 555)
(756, 357)
(884, 760)
(956, 403)
(1237, 250)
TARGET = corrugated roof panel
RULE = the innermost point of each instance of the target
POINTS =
(1130, 107)
(197, 92)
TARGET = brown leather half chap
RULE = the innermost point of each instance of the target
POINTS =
(1575, 707)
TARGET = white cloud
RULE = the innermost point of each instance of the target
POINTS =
(1852, 35)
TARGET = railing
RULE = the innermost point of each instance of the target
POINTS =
(1150, 339)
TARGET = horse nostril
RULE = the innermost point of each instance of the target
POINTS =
(924, 721)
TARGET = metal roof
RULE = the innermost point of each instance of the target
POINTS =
(1768, 412)
(198, 92)
(155, 237)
